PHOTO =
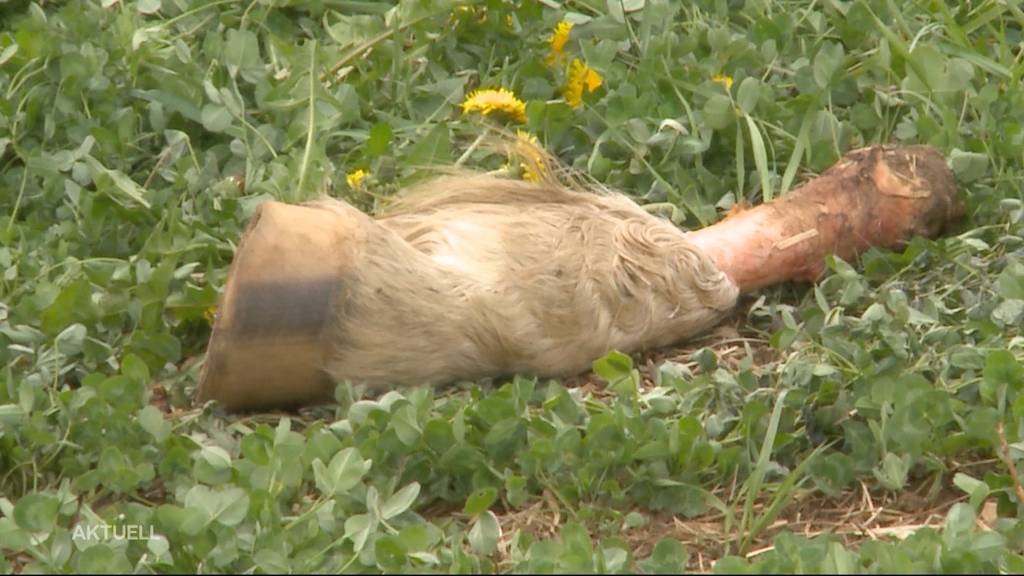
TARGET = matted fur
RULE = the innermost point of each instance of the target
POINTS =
(471, 276)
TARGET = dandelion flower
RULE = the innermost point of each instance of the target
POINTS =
(528, 148)
(490, 101)
(581, 77)
(592, 79)
(355, 178)
(723, 80)
(559, 39)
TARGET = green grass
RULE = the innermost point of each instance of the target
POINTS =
(136, 138)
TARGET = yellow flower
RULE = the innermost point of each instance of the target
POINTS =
(490, 101)
(580, 76)
(355, 178)
(559, 39)
(723, 80)
(527, 147)
(592, 79)
(210, 314)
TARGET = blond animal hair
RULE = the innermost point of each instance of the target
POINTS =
(471, 275)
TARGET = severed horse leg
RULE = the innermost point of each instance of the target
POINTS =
(472, 276)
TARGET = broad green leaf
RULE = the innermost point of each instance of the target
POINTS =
(271, 561)
(347, 469)
(613, 559)
(400, 501)
(14, 538)
(718, 112)
(360, 411)
(358, 529)
(10, 414)
(976, 489)
(417, 537)
(152, 420)
(827, 62)
(69, 341)
(613, 366)
(148, 6)
(227, 506)
(1009, 312)
(380, 139)
(6, 54)
(258, 448)
(515, 490)
(102, 559)
(578, 549)
(668, 557)
(968, 166)
(133, 367)
(839, 560)
(1002, 373)
(216, 118)
(325, 482)
(433, 148)
(373, 502)
(216, 457)
(959, 523)
(485, 533)
(36, 512)
(404, 421)
(242, 55)
(390, 553)
(191, 521)
(1011, 281)
(892, 473)
(748, 94)
(116, 184)
(480, 500)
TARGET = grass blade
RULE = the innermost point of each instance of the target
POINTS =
(311, 121)
(741, 164)
(760, 469)
(798, 151)
(760, 158)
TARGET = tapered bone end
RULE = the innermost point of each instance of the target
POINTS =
(917, 193)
